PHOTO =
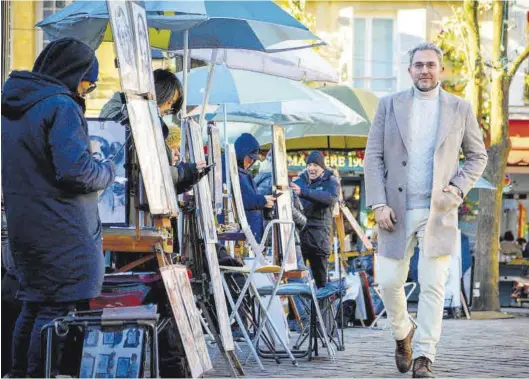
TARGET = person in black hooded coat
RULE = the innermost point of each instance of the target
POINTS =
(51, 183)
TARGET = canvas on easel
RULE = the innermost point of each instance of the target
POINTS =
(215, 175)
(283, 202)
(143, 49)
(209, 233)
(154, 166)
(121, 24)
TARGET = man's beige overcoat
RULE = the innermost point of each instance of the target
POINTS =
(386, 169)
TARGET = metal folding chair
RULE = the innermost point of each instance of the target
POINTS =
(376, 288)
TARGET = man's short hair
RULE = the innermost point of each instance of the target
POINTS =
(426, 46)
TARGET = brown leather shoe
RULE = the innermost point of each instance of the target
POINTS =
(403, 352)
(422, 368)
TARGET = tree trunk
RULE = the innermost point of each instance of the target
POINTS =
(486, 268)
(475, 85)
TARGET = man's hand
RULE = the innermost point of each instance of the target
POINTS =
(270, 200)
(295, 188)
(385, 217)
(456, 191)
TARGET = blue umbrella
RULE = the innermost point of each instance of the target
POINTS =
(89, 22)
(239, 87)
(251, 25)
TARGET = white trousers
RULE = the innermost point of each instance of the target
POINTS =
(391, 274)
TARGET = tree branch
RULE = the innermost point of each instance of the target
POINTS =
(518, 61)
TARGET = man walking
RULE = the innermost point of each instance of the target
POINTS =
(51, 182)
(415, 185)
(317, 187)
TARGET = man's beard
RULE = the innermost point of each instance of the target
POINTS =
(424, 89)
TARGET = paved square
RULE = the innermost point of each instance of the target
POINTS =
(468, 349)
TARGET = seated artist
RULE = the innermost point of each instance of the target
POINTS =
(169, 99)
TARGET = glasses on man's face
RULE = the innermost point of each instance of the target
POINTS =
(420, 65)
(91, 88)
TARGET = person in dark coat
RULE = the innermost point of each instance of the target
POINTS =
(247, 152)
(169, 98)
(318, 189)
(51, 183)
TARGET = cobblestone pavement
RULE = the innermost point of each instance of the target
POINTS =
(468, 348)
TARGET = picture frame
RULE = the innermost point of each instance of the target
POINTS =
(202, 188)
(87, 366)
(143, 50)
(91, 337)
(162, 155)
(186, 293)
(109, 138)
(209, 230)
(283, 203)
(122, 368)
(122, 32)
(154, 168)
(170, 277)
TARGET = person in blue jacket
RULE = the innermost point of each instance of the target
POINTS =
(51, 182)
(318, 189)
(247, 152)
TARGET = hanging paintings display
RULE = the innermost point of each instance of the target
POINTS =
(107, 140)
(121, 23)
(143, 49)
(283, 202)
(215, 175)
(209, 233)
(153, 165)
(187, 318)
(112, 352)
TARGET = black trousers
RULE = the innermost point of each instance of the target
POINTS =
(316, 248)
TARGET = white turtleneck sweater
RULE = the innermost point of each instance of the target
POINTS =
(422, 132)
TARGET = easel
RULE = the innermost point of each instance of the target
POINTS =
(150, 160)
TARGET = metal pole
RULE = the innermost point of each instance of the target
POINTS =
(208, 86)
(183, 114)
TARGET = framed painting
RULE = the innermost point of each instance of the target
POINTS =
(108, 139)
(154, 167)
(172, 276)
(122, 32)
(283, 203)
(143, 50)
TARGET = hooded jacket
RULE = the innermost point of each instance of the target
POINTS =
(253, 201)
(50, 179)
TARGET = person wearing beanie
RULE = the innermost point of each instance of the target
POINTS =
(50, 185)
(414, 185)
(318, 190)
(247, 151)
